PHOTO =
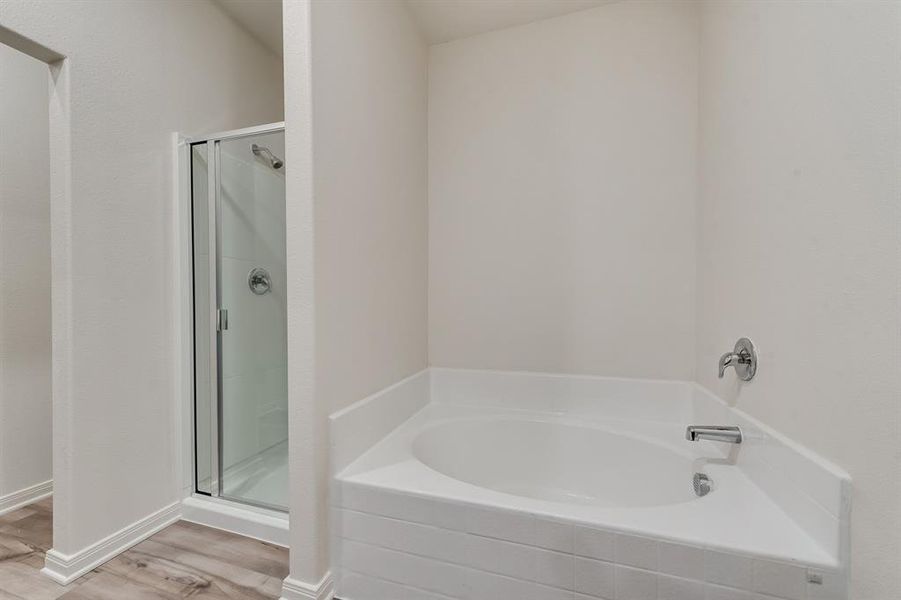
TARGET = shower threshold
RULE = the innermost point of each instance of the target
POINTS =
(237, 517)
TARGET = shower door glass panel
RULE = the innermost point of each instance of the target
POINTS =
(253, 394)
(205, 427)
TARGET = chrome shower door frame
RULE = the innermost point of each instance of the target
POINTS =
(214, 341)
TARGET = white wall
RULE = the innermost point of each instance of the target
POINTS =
(137, 71)
(799, 248)
(562, 184)
(362, 181)
(25, 411)
(307, 431)
(370, 147)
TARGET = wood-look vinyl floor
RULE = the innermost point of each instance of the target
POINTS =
(182, 561)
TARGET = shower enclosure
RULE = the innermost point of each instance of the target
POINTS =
(240, 345)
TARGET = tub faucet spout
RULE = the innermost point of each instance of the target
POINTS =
(715, 433)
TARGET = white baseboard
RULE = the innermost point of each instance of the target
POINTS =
(258, 523)
(65, 569)
(294, 589)
(16, 500)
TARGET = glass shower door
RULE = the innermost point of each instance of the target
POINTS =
(243, 409)
(253, 346)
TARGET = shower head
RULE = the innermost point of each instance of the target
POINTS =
(274, 161)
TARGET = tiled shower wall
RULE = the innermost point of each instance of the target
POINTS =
(254, 356)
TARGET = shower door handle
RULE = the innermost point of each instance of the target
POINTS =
(221, 319)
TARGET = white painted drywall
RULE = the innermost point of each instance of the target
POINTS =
(799, 242)
(446, 20)
(25, 412)
(562, 184)
(262, 18)
(307, 433)
(137, 72)
(362, 179)
(370, 146)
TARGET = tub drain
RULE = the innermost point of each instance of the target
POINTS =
(701, 484)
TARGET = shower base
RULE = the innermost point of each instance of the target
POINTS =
(263, 480)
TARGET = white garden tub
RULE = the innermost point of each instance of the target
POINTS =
(580, 485)
(544, 460)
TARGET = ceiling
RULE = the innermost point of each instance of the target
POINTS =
(445, 20)
(261, 18)
(439, 20)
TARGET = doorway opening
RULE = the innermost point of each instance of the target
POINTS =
(25, 336)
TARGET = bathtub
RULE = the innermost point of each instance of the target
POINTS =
(568, 489)
(544, 459)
